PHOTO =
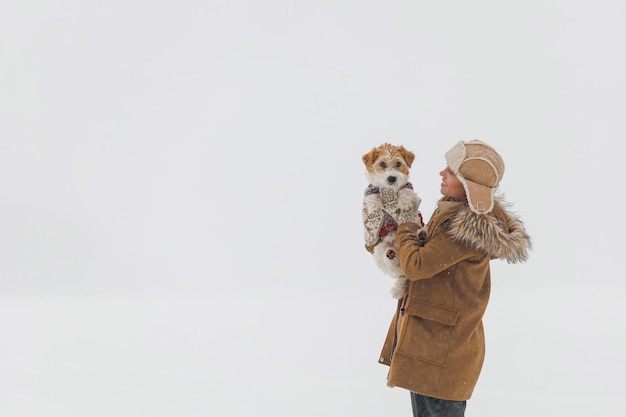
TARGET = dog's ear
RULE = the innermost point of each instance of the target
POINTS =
(370, 157)
(408, 156)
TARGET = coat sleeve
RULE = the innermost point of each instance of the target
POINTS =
(439, 253)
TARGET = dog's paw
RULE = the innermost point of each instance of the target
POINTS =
(390, 254)
(422, 236)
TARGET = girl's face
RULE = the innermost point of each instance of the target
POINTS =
(451, 186)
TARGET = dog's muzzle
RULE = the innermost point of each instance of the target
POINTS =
(391, 179)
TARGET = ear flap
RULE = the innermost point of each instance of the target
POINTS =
(408, 156)
(370, 157)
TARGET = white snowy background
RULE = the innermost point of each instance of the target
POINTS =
(181, 186)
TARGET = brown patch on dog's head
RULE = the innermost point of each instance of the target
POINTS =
(387, 157)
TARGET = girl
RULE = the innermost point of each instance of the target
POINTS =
(435, 345)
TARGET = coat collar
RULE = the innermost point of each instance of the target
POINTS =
(500, 233)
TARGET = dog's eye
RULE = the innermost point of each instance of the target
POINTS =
(398, 164)
(383, 165)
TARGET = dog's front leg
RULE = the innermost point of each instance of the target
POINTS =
(408, 200)
(373, 203)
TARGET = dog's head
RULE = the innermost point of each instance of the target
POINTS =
(388, 166)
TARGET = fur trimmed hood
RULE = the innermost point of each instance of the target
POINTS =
(500, 233)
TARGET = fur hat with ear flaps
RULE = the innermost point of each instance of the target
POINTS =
(480, 169)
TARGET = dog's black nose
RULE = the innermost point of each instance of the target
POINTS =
(391, 179)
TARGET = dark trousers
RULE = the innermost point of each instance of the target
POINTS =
(433, 407)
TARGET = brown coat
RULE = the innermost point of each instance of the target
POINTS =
(435, 344)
